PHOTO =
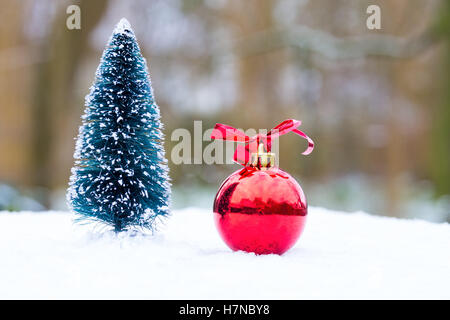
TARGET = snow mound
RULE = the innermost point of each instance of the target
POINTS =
(46, 256)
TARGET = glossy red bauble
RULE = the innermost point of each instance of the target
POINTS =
(260, 210)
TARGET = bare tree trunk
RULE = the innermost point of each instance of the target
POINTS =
(62, 53)
(439, 163)
(14, 80)
(257, 72)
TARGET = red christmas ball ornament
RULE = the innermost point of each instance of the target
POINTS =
(260, 208)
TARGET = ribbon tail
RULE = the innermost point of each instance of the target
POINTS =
(310, 142)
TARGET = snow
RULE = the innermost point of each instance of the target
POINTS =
(123, 27)
(46, 256)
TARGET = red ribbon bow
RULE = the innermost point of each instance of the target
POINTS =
(242, 153)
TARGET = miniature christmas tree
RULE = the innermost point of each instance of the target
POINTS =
(120, 175)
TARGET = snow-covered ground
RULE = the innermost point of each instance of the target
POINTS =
(44, 255)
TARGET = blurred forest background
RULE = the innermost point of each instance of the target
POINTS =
(376, 102)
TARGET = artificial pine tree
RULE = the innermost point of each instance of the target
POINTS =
(120, 174)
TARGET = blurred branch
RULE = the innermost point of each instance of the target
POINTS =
(331, 47)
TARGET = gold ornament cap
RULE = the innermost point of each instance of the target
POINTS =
(261, 158)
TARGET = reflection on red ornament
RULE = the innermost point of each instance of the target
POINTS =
(260, 210)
